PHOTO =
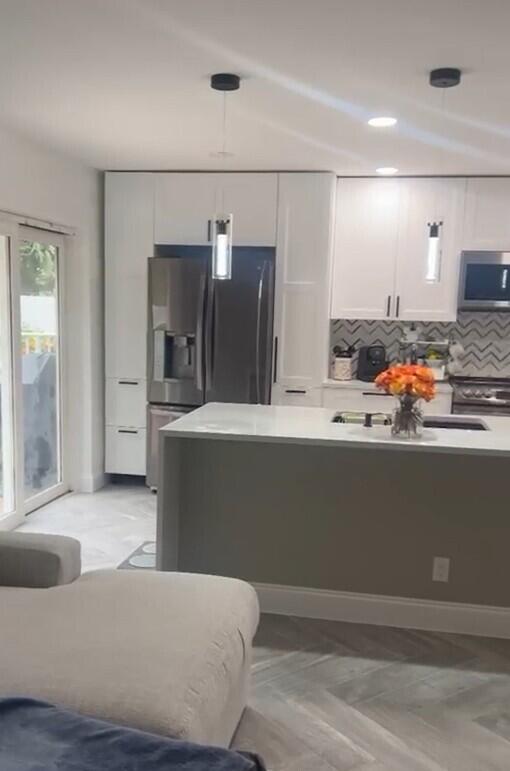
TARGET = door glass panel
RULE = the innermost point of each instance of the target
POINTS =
(40, 365)
(7, 486)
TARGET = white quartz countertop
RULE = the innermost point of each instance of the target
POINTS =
(313, 426)
(442, 386)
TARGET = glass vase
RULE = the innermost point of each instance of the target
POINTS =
(407, 417)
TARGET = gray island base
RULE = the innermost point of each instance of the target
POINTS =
(280, 496)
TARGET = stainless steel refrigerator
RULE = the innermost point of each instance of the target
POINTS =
(208, 340)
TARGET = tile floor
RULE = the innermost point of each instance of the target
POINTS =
(332, 696)
(110, 524)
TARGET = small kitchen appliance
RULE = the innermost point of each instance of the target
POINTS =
(484, 281)
(372, 360)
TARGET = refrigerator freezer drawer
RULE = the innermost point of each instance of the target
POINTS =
(157, 417)
(125, 450)
(126, 402)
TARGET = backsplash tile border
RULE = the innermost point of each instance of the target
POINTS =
(485, 337)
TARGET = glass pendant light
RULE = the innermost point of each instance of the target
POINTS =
(222, 223)
(433, 271)
(222, 247)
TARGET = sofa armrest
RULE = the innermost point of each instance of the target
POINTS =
(38, 561)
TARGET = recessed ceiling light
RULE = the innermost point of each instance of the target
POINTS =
(382, 122)
(386, 171)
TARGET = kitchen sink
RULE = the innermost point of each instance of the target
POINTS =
(460, 424)
(430, 421)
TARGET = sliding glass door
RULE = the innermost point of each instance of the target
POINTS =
(40, 256)
(32, 470)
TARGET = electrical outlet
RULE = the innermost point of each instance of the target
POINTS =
(441, 569)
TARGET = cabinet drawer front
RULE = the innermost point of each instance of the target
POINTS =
(297, 396)
(125, 450)
(357, 401)
(126, 402)
(346, 400)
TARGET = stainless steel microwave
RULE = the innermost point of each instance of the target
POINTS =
(484, 281)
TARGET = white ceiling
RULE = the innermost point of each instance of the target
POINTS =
(124, 83)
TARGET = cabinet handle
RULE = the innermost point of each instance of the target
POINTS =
(374, 393)
(294, 391)
(275, 365)
(388, 305)
(128, 382)
(126, 431)
(208, 230)
(397, 313)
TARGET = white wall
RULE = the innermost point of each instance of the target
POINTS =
(37, 182)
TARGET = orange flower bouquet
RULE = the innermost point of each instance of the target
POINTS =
(409, 383)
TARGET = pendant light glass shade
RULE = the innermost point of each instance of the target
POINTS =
(433, 271)
(222, 247)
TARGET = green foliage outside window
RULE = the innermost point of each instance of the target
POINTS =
(38, 268)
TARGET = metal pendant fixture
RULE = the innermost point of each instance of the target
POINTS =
(222, 223)
(442, 78)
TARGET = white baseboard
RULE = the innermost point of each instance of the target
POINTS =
(90, 483)
(481, 620)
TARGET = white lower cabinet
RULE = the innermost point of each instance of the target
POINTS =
(345, 399)
(296, 396)
(126, 402)
(125, 450)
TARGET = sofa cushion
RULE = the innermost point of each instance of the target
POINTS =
(38, 560)
(164, 652)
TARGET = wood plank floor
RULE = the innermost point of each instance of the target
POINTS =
(330, 696)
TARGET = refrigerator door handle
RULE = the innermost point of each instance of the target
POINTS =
(257, 339)
(199, 351)
(209, 336)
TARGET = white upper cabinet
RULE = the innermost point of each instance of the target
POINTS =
(185, 203)
(366, 240)
(384, 267)
(129, 242)
(305, 215)
(252, 201)
(487, 217)
(427, 274)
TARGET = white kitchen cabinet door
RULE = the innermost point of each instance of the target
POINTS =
(129, 242)
(184, 205)
(487, 215)
(303, 257)
(426, 287)
(252, 201)
(366, 240)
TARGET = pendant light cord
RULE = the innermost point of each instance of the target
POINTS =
(224, 147)
(224, 142)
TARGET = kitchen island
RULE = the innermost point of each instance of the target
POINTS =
(287, 499)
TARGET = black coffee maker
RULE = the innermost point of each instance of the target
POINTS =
(372, 360)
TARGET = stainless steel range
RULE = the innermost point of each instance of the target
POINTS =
(481, 396)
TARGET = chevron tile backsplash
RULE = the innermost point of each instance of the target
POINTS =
(484, 336)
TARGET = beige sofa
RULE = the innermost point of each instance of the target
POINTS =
(164, 652)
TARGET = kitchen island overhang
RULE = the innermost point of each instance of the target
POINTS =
(283, 496)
